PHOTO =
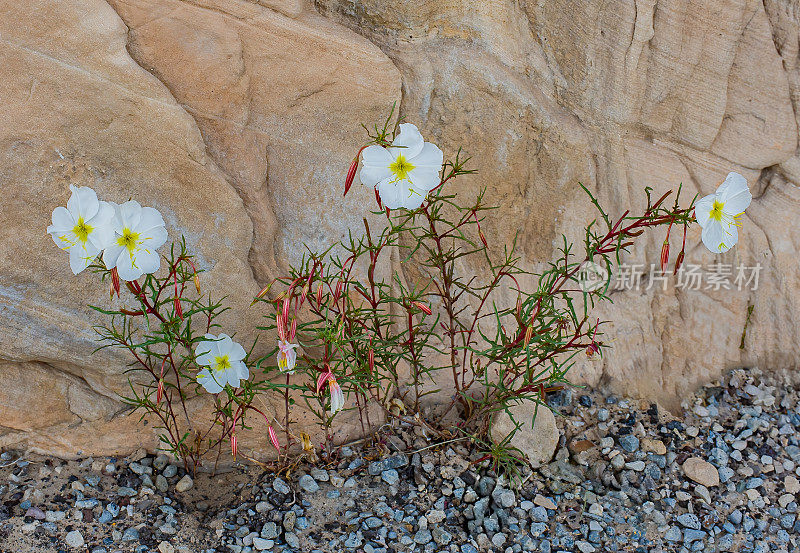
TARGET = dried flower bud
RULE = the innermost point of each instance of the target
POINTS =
(197, 284)
(306, 441)
(592, 349)
(678, 262)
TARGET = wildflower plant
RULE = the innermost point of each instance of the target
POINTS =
(427, 346)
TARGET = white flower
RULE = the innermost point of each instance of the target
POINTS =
(223, 357)
(287, 356)
(138, 232)
(405, 172)
(717, 213)
(337, 397)
(83, 227)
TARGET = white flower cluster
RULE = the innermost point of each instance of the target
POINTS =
(127, 235)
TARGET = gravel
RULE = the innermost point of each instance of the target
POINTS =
(627, 477)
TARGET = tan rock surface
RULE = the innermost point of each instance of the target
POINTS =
(538, 441)
(237, 119)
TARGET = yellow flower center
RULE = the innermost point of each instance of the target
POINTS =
(716, 211)
(401, 168)
(82, 230)
(129, 240)
(221, 363)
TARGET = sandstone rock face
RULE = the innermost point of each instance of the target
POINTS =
(238, 118)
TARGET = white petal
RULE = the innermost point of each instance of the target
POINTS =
(719, 238)
(430, 157)
(208, 382)
(153, 238)
(734, 194)
(409, 142)
(236, 352)
(102, 237)
(63, 239)
(147, 261)
(414, 198)
(150, 218)
(129, 214)
(81, 257)
(390, 193)
(125, 267)
(375, 161)
(423, 178)
(241, 369)
(62, 220)
(104, 216)
(111, 255)
(83, 202)
(702, 209)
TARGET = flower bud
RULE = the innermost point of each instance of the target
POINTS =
(234, 445)
(592, 349)
(665, 255)
(273, 437)
(371, 358)
(280, 323)
(293, 330)
(114, 282)
(378, 199)
(286, 309)
(160, 392)
(422, 307)
(178, 308)
(483, 238)
(528, 335)
(323, 378)
(351, 175)
(319, 294)
(197, 284)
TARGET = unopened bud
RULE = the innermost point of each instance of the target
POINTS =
(319, 294)
(528, 335)
(160, 392)
(197, 284)
(273, 437)
(422, 307)
(351, 175)
(178, 308)
(234, 445)
(378, 199)
(665, 255)
(483, 238)
(371, 358)
(293, 330)
(114, 282)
